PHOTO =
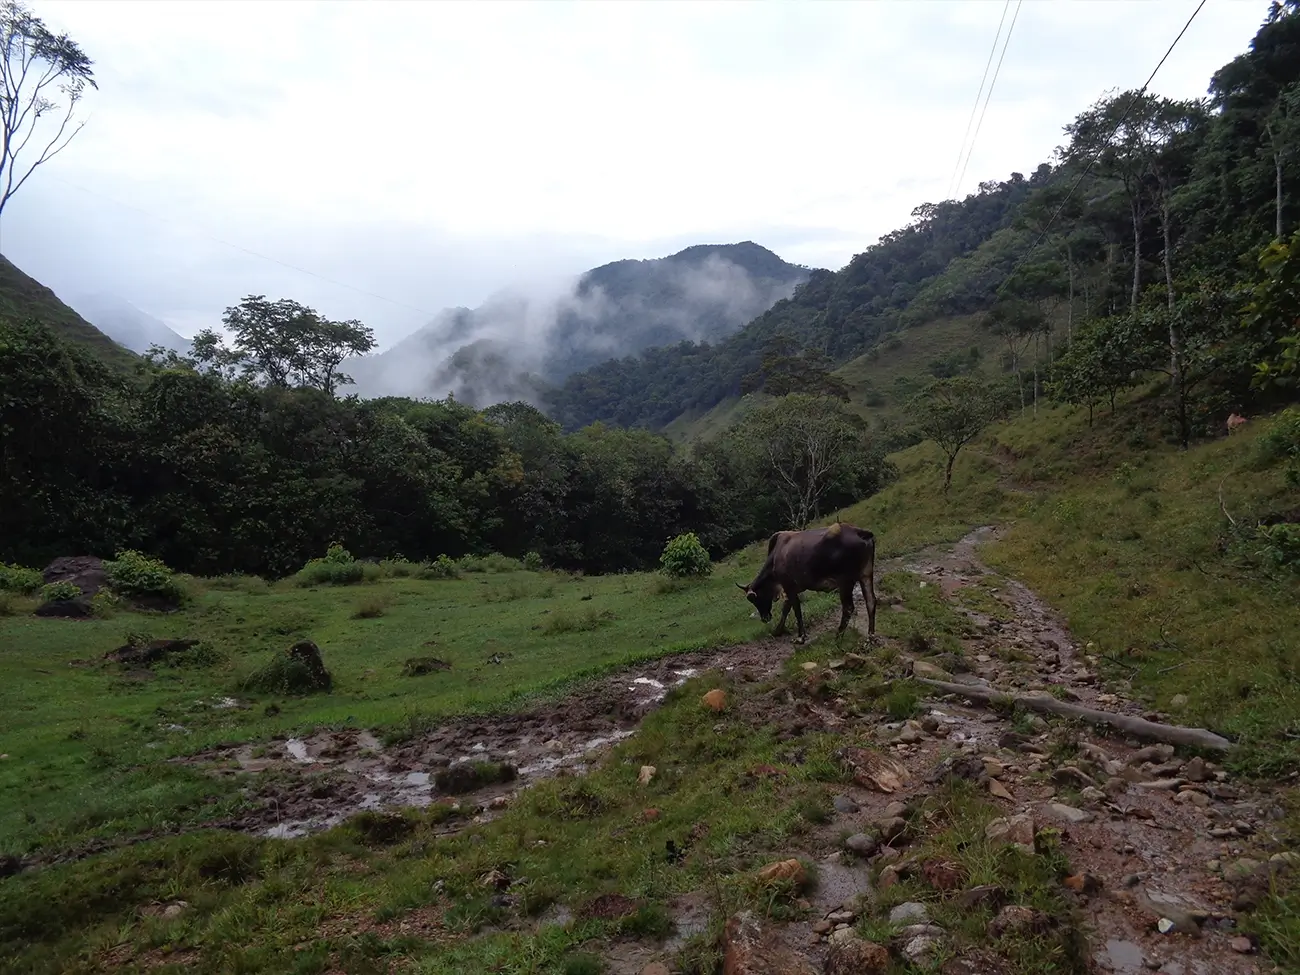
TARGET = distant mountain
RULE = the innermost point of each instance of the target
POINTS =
(515, 343)
(23, 297)
(128, 325)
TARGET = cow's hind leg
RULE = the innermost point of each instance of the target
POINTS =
(868, 586)
(798, 618)
(846, 609)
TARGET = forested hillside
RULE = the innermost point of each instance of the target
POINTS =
(1150, 204)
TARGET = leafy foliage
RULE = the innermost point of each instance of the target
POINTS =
(137, 576)
(57, 592)
(684, 556)
(953, 412)
(16, 578)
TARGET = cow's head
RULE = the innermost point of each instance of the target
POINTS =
(761, 597)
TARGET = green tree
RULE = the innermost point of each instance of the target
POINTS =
(953, 412)
(805, 452)
(43, 77)
(1016, 322)
(283, 344)
(1272, 313)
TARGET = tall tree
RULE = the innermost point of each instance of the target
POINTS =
(42, 78)
(283, 344)
(952, 413)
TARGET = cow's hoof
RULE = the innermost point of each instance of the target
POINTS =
(801, 639)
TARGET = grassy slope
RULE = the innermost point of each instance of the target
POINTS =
(23, 297)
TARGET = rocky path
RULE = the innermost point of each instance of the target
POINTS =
(1168, 851)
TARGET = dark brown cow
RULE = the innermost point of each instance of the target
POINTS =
(821, 559)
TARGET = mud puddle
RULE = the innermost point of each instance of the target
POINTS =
(302, 785)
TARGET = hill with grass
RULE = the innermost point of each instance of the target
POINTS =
(23, 298)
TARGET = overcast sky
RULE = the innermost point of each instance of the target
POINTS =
(434, 152)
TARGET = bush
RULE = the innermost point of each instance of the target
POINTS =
(684, 556)
(337, 568)
(136, 576)
(57, 592)
(15, 578)
(297, 671)
(533, 562)
(1282, 444)
(492, 562)
(1280, 545)
(440, 568)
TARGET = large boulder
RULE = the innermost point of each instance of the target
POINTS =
(86, 572)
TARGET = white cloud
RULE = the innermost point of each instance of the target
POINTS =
(435, 152)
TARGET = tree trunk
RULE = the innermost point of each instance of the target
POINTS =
(1035, 376)
(947, 473)
(1277, 179)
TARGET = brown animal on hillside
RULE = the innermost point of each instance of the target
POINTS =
(819, 559)
(1235, 420)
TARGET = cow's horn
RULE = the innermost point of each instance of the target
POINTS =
(741, 587)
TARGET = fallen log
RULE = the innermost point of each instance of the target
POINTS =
(1172, 734)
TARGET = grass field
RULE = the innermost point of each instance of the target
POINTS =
(1123, 534)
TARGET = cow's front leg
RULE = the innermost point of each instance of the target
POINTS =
(798, 618)
(780, 625)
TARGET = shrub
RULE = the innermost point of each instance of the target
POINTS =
(1281, 443)
(337, 568)
(299, 670)
(684, 556)
(1280, 545)
(136, 576)
(533, 562)
(492, 562)
(57, 592)
(16, 578)
(562, 621)
(372, 608)
(440, 568)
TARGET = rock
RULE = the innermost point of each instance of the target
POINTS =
(911, 912)
(1165, 785)
(1018, 830)
(1083, 882)
(1196, 770)
(1152, 753)
(993, 767)
(909, 736)
(784, 870)
(1068, 775)
(923, 668)
(842, 917)
(175, 909)
(1115, 786)
(1192, 797)
(887, 878)
(647, 773)
(1283, 862)
(1240, 870)
(650, 815)
(715, 699)
(875, 770)
(891, 829)
(1092, 794)
(996, 788)
(1242, 946)
(84, 571)
(1174, 914)
(656, 968)
(930, 724)
(1016, 919)
(822, 926)
(862, 844)
(842, 934)
(979, 896)
(853, 956)
(843, 804)
(1178, 701)
(888, 855)
(73, 609)
(943, 874)
(751, 949)
(895, 810)
(918, 950)
(1070, 814)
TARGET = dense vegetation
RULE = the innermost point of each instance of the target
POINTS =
(1141, 240)
(250, 472)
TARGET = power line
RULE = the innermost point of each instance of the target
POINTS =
(971, 150)
(246, 250)
(952, 180)
(1091, 162)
